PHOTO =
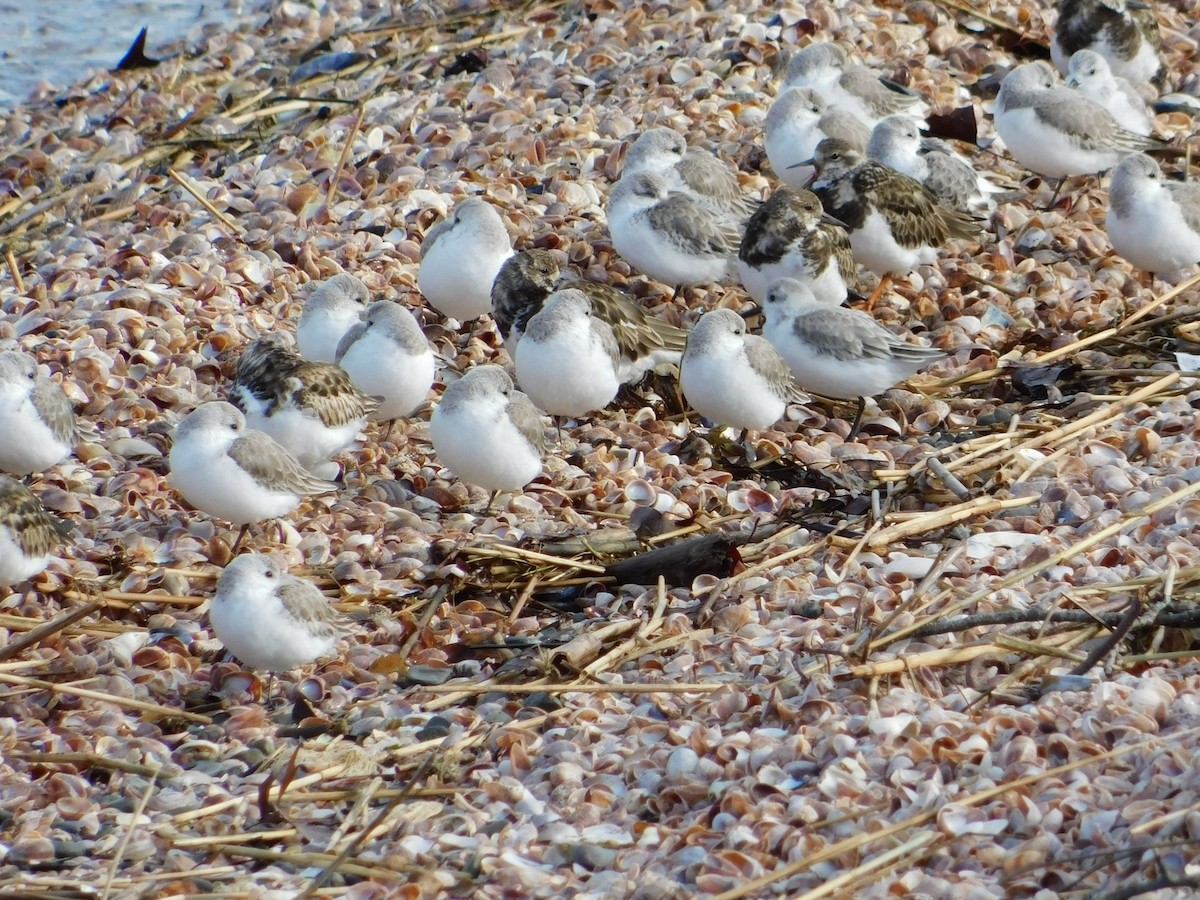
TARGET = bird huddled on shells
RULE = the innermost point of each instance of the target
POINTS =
(388, 357)
(487, 432)
(236, 473)
(734, 378)
(1153, 223)
(272, 620)
(1057, 132)
(313, 409)
(332, 308)
(672, 237)
(837, 352)
(826, 68)
(568, 359)
(895, 224)
(37, 424)
(460, 257)
(791, 236)
(645, 342)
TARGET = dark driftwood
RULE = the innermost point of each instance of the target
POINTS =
(680, 563)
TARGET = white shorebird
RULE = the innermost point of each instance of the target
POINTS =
(460, 257)
(672, 237)
(734, 378)
(791, 236)
(29, 537)
(645, 342)
(311, 408)
(567, 360)
(270, 619)
(826, 68)
(896, 142)
(388, 356)
(1124, 32)
(1089, 73)
(1057, 132)
(838, 352)
(797, 121)
(37, 424)
(487, 432)
(1153, 223)
(236, 473)
(698, 173)
(331, 309)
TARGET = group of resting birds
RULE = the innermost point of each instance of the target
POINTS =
(862, 187)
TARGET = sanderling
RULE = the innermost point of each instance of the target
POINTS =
(671, 237)
(28, 535)
(696, 172)
(896, 142)
(389, 357)
(734, 378)
(797, 121)
(270, 619)
(487, 432)
(313, 409)
(1089, 73)
(567, 360)
(331, 309)
(37, 424)
(460, 257)
(525, 281)
(1124, 32)
(895, 224)
(1055, 131)
(1152, 223)
(791, 236)
(838, 352)
(825, 67)
(235, 473)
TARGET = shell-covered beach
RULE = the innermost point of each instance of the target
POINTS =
(953, 657)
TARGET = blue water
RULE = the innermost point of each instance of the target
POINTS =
(62, 41)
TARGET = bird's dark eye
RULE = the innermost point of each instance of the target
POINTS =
(269, 574)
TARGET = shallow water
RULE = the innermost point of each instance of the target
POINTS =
(61, 41)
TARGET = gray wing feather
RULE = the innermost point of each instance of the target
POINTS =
(845, 334)
(528, 420)
(1187, 195)
(270, 464)
(766, 361)
(707, 175)
(308, 606)
(55, 409)
(952, 181)
(701, 231)
(1088, 124)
